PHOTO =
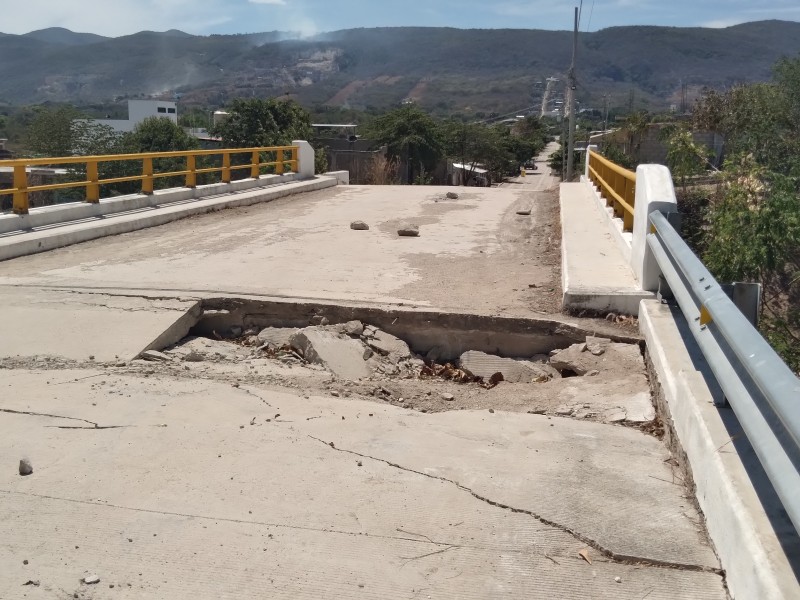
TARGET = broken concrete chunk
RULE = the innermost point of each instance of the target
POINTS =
(452, 195)
(154, 355)
(344, 357)
(352, 328)
(359, 226)
(387, 345)
(448, 397)
(319, 320)
(91, 579)
(409, 230)
(576, 361)
(25, 467)
(277, 336)
(193, 356)
(485, 365)
(597, 345)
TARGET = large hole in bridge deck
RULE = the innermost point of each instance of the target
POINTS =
(427, 360)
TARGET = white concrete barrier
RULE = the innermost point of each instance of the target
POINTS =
(306, 156)
(654, 191)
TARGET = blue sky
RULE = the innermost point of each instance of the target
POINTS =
(121, 17)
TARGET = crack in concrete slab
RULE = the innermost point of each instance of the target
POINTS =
(609, 554)
(35, 414)
(406, 538)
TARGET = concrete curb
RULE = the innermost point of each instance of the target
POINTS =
(584, 241)
(755, 541)
(624, 239)
(41, 241)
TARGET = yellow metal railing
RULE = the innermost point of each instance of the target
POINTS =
(92, 183)
(617, 185)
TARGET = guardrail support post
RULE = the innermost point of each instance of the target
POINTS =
(255, 168)
(279, 162)
(92, 188)
(226, 167)
(147, 173)
(191, 167)
(21, 195)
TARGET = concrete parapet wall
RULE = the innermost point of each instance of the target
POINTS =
(654, 191)
(74, 211)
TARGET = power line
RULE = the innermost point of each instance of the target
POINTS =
(591, 14)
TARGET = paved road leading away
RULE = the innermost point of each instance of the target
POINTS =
(474, 253)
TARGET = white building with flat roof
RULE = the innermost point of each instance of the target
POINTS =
(138, 111)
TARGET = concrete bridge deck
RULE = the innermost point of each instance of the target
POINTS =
(198, 480)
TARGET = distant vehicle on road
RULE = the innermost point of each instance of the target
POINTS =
(530, 165)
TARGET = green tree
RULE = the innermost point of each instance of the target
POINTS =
(753, 230)
(257, 122)
(635, 128)
(157, 134)
(685, 158)
(533, 130)
(754, 235)
(51, 131)
(411, 136)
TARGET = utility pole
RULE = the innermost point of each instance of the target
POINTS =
(572, 88)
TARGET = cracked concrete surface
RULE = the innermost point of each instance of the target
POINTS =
(183, 481)
(224, 494)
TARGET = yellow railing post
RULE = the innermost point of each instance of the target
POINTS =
(226, 167)
(630, 198)
(191, 167)
(295, 161)
(21, 195)
(279, 162)
(92, 188)
(255, 165)
(147, 173)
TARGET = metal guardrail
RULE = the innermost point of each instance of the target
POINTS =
(761, 389)
(21, 189)
(617, 185)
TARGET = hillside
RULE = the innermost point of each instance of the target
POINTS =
(443, 69)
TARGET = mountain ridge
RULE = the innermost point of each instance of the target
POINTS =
(443, 69)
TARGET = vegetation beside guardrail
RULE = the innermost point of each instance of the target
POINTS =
(617, 186)
(87, 172)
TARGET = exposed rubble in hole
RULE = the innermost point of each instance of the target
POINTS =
(595, 380)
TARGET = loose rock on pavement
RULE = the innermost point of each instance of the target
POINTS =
(25, 467)
(359, 226)
(408, 231)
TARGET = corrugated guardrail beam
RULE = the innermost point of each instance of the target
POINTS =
(761, 389)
